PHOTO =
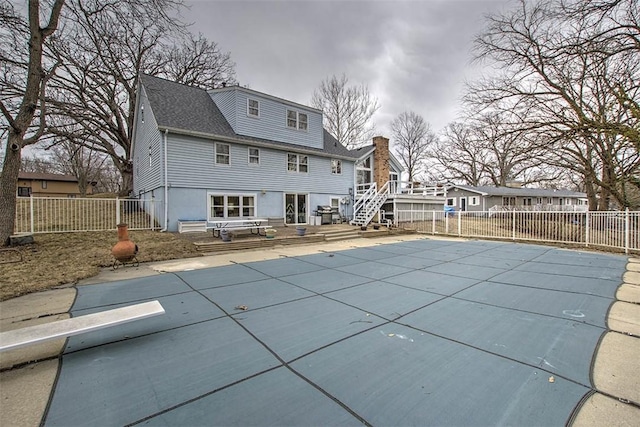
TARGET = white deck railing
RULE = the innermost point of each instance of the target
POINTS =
(406, 188)
(598, 229)
(64, 215)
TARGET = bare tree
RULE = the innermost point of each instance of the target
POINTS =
(510, 153)
(108, 179)
(81, 162)
(27, 58)
(412, 137)
(576, 74)
(347, 110)
(36, 164)
(103, 50)
(198, 62)
(458, 156)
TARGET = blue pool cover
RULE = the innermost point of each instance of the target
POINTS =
(421, 332)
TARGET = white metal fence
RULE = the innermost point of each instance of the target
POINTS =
(598, 229)
(64, 215)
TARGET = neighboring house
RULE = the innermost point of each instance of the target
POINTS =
(49, 185)
(235, 153)
(486, 198)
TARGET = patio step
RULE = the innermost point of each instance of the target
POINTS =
(219, 246)
(333, 236)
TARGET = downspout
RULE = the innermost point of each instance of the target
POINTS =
(166, 185)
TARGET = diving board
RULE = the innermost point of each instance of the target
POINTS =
(17, 338)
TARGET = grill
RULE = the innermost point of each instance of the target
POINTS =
(325, 212)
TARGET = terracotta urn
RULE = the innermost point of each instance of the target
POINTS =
(125, 249)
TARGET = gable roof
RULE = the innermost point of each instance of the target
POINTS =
(178, 106)
(526, 192)
(190, 110)
(366, 150)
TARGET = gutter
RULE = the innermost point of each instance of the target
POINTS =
(166, 185)
(296, 149)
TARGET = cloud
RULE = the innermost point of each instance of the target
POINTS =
(413, 55)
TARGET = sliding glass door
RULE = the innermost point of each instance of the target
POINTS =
(295, 208)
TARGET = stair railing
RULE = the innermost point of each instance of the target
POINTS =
(364, 199)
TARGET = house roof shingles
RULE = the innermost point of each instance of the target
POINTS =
(190, 109)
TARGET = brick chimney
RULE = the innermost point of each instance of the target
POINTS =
(381, 160)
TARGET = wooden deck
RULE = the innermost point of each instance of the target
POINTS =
(285, 236)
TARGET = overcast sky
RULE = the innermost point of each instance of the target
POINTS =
(413, 55)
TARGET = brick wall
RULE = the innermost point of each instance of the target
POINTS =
(381, 160)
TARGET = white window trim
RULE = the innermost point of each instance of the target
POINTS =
(215, 154)
(249, 156)
(474, 200)
(226, 196)
(450, 198)
(255, 116)
(297, 126)
(339, 162)
(297, 163)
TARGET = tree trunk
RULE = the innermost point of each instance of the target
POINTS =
(127, 180)
(591, 194)
(8, 187)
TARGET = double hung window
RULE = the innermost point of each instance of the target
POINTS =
(297, 120)
(222, 154)
(297, 163)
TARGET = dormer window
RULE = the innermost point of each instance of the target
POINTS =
(297, 120)
(253, 108)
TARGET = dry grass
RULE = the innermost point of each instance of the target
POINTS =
(57, 259)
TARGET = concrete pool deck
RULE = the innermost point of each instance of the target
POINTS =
(397, 330)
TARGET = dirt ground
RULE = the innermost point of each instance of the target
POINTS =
(63, 258)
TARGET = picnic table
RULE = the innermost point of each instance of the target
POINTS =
(255, 225)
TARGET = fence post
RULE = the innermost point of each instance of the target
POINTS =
(513, 225)
(152, 214)
(117, 211)
(587, 224)
(626, 231)
(446, 222)
(433, 222)
(459, 223)
(31, 211)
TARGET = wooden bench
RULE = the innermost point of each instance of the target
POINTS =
(77, 325)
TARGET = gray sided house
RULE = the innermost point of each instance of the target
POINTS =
(486, 198)
(235, 153)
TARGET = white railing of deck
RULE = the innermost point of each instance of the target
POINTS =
(609, 229)
(64, 215)
(406, 188)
